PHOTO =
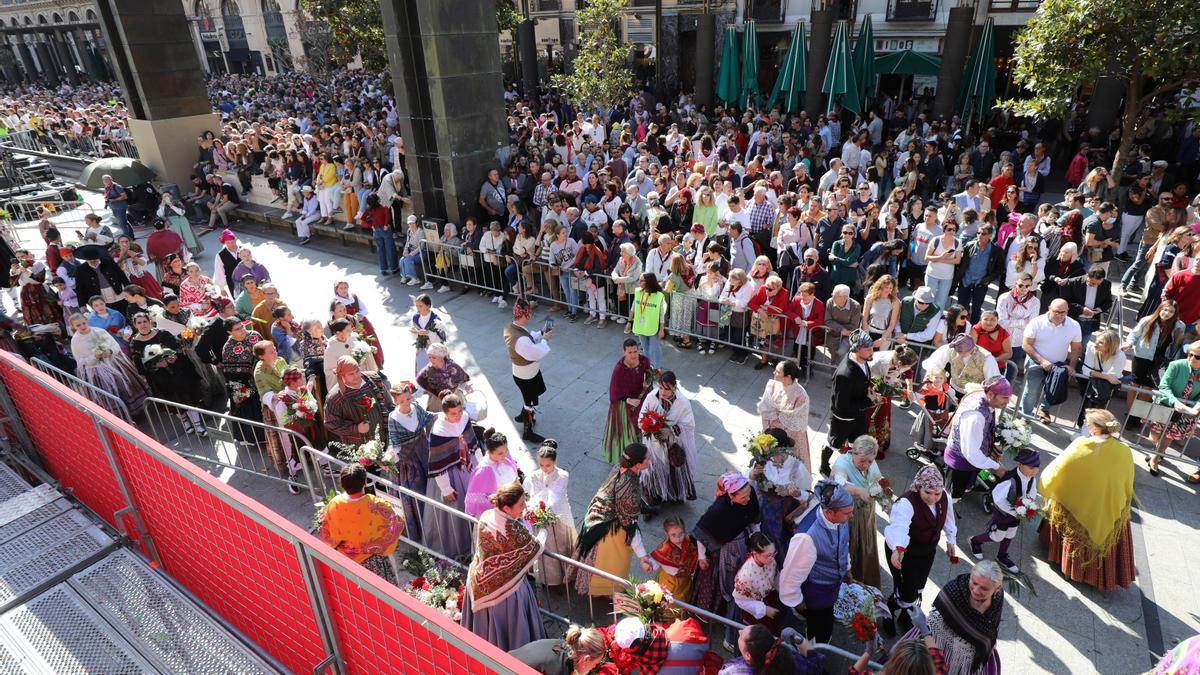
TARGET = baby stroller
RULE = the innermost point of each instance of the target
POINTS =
(143, 204)
(930, 433)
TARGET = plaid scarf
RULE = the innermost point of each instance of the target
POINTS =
(646, 655)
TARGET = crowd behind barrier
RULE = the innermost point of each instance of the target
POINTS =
(84, 147)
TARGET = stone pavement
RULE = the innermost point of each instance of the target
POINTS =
(1065, 628)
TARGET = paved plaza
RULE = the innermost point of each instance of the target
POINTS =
(1064, 628)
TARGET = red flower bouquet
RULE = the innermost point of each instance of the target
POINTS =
(366, 403)
(541, 516)
(652, 423)
(863, 627)
(238, 392)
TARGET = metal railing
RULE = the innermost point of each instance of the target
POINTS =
(70, 145)
(323, 483)
(87, 390)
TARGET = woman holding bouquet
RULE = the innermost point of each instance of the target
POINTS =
(100, 362)
(782, 483)
(609, 534)
(627, 388)
(106, 320)
(361, 525)
(784, 405)
(299, 409)
(194, 291)
(171, 376)
(237, 364)
(890, 375)
(858, 472)
(426, 329)
(408, 436)
(452, 444)
(548, 485)
(496, 468)
(268, 380)
(500, 605)
(354, 309)
(672, 443)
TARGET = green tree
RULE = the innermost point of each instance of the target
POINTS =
(1150, 47)
(357, 27)
(601, 76)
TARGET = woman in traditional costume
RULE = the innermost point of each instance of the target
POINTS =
(172, 273)
(784, 405)
(627, 389)
(132, 262)
(965, 621)
(890, 370)
(759, 652)
(361, 525)
(609, 534)
(103, 318)
(38, 306)
(756, 585)
(858, 472)
(237, 365)
(496, 467)
(100, 362)
(673, 448)
(1089, 493)
(723, 530)
(356, 310)
(548, 484)
(194, 291)
(916, 524)
(312, 355)
(268, 381)
(783, 485)
(441, 374)
(427, 329)
(170, 374)
(451, 446)
(677, 559)
(408, 436)
(500, 604)
(581, 650)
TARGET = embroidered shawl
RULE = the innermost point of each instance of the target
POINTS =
(502, 559)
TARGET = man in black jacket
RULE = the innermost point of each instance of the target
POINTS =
(100, 277)
(851, 397)
(982, 263)
(1088, 298)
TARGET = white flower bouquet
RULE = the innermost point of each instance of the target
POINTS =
(1010, 435)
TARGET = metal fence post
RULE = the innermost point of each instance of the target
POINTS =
(316, 595)
(123, 485)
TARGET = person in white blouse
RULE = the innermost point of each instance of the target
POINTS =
(526, 349)
(735, 296)
(818, 559)
(756, 582)
(917, 522)
(1104, 366)
(548, 485)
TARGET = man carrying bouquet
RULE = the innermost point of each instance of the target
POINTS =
(972, 435)
(357, 407)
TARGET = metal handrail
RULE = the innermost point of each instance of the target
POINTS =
(394, 488)
(86, 389)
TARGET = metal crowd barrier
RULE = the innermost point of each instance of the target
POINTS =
(69, 145)
(323, 483)
(87, 390)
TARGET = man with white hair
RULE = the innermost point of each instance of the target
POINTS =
(829, 177)
(658, 260)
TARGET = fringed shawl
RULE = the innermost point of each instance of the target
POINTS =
(450, 445)
(978, 629)
(502, 559)
(1089, 495)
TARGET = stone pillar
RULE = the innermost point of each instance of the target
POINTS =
(527, 48)
(49, 71)
(706, 39)
(955, 47)
(819, 42)
(445, 64)
(159, 72)
(64, 56)
(295, 45)
(31, 71)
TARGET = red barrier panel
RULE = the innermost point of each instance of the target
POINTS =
(242, 560)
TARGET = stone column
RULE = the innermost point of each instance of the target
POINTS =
(445, 64)
(31, 71)
(159, 72)
(67, 61)
(954, 58)
(819, 43)
(49, 70)
(527, 48)
(295, 45)
(706, 42)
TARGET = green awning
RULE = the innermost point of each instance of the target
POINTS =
(840, 82)
(864, 62)
(750, 91)
(729, 82)
(978, 91)
(907, 62)
(790, 83)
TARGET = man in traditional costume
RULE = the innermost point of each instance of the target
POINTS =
(971, 435)
(526, 349)
(357, 407)
(818, 559)
(851, 397)
(225, 261)
(965, 363)
(916, 523)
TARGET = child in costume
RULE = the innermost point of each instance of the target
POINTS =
(677, 559)
(1020, 484)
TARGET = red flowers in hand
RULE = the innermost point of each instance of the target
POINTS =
(863, 626)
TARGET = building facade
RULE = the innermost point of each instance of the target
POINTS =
(59, 40)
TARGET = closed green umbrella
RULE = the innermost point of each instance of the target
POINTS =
(749, 62)
(126, 171)
(864, 61)
(979, 77)
(790, 82)
(908, 62)
(729, 83)
(839, 76)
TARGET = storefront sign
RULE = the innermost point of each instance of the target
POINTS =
(926, 45)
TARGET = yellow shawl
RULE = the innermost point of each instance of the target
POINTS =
(1089, 492)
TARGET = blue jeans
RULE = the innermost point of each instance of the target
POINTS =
(408, 265)
(652, 348)
(1137, 271)
(1032, 393)
(570, 298)
(941, 289)
(121, 218)
(385, 249)
(972, 298)
(510, 275)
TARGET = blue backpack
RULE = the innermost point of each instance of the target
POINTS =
(1055, 386)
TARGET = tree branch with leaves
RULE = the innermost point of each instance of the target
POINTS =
(1149, 47)
(601, 76)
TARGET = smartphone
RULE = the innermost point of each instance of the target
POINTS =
(549, 326)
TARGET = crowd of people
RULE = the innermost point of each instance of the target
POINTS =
(924, 267)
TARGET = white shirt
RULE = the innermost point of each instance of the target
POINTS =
(934, 327)
(1051, 341)
(971, 423)
(1114, 366)
(1001, 494)
(896, 532)
(1014, 316)
(802, 555)
(535, 350)
(657, 263)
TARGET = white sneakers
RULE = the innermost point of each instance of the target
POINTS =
(414, 281)
(426, 286)
(445, 288)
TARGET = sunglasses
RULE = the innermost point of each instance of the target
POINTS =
(1193, 356)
